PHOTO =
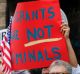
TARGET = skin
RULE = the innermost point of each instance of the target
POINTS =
(72, 57)
(58, 69)
(1, 69)
(65, 30)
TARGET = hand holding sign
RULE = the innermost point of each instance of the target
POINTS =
(65, 30)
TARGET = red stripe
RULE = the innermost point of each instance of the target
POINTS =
(4, 47)
(4, 68)
(7, 56)
(6, 64)
(8, 49)
(6, 39)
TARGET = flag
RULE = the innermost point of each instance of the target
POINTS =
(6, 56)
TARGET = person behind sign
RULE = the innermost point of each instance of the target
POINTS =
(62, 67)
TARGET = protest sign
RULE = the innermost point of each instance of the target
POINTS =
(2, 33)
(36, 39)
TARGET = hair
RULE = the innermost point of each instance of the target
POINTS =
(62, 63)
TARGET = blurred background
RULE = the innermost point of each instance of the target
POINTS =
(70, 7)
(2, 14)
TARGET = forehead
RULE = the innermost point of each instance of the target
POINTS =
(57, 69)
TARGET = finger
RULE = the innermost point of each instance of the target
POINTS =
(64, 24)
(64, 31)
(64, 27)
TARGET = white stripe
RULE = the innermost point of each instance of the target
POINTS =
(5, 70)
(4, 38)
(10, 72)
(3, 66)
(6, 43)
(7, 61)
(7, 53)
(2, 45)
(0, 53)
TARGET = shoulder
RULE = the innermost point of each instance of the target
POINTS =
(76, 70)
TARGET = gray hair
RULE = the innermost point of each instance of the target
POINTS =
(62, 63)
(64, 17)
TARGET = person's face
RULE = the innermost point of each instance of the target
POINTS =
(58, 70)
